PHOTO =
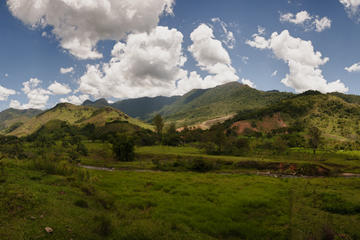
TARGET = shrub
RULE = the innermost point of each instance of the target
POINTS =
(201, 165)
(210, 148)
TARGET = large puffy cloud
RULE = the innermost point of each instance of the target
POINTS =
(37, 96)
(352, 7)
(304, 64)
(148, 64)
(151, 64)
(211, 57)
(353, 68)
(5, 93)
(309, 22)
(206, 49)
(81, 24)
(59, 89)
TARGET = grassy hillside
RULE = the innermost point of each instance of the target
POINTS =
(142, 108)
(77, 115)
(201, 105)
(12, 118)
(336, 118)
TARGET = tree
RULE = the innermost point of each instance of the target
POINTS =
(315, 138)
(171, 138)
(123, 148)
(159, 125)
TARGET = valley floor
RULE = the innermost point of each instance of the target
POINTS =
(174, 204)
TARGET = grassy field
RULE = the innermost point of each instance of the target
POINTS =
(148, 157)
(175, 205)
(181, 193)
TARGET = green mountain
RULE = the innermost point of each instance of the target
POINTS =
(13, 118)
(201, 105)
(142, 108)
(76, 115)
(337, 118)
(98, 103)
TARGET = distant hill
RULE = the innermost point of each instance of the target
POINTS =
(13, 118)
(338, 119)
(201, 105)
(98, 103)
(143, 108)
(76, 115)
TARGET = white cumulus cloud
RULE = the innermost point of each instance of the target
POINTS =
(307, 21)
(353, 68)
(304, 64)
(212, 58)
(76, 100)
(66, 70)
(151, 64)
(59, 89)
(80, 24)
(322, 24)
(299, 18)
(37, 96)
(352, 7)
(259, 41)
(248, 82)
(5, 93)
(148, 64)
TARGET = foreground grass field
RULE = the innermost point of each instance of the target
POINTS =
(176, 205)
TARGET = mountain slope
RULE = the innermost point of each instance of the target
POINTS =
(76, 115)
(204, 104)
(335, 117)
(142, 108)
(12, 118)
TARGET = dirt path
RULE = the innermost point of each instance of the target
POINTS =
(266, 174)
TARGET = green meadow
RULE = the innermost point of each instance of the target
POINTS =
(145, 200)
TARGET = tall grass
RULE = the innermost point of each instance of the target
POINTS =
(51, 166)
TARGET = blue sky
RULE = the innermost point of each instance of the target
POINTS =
(29, 50)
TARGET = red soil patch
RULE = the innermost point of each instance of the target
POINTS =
(266, 125)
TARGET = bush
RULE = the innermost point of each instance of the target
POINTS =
(123, 148)
(210, 148)
(201, 165)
